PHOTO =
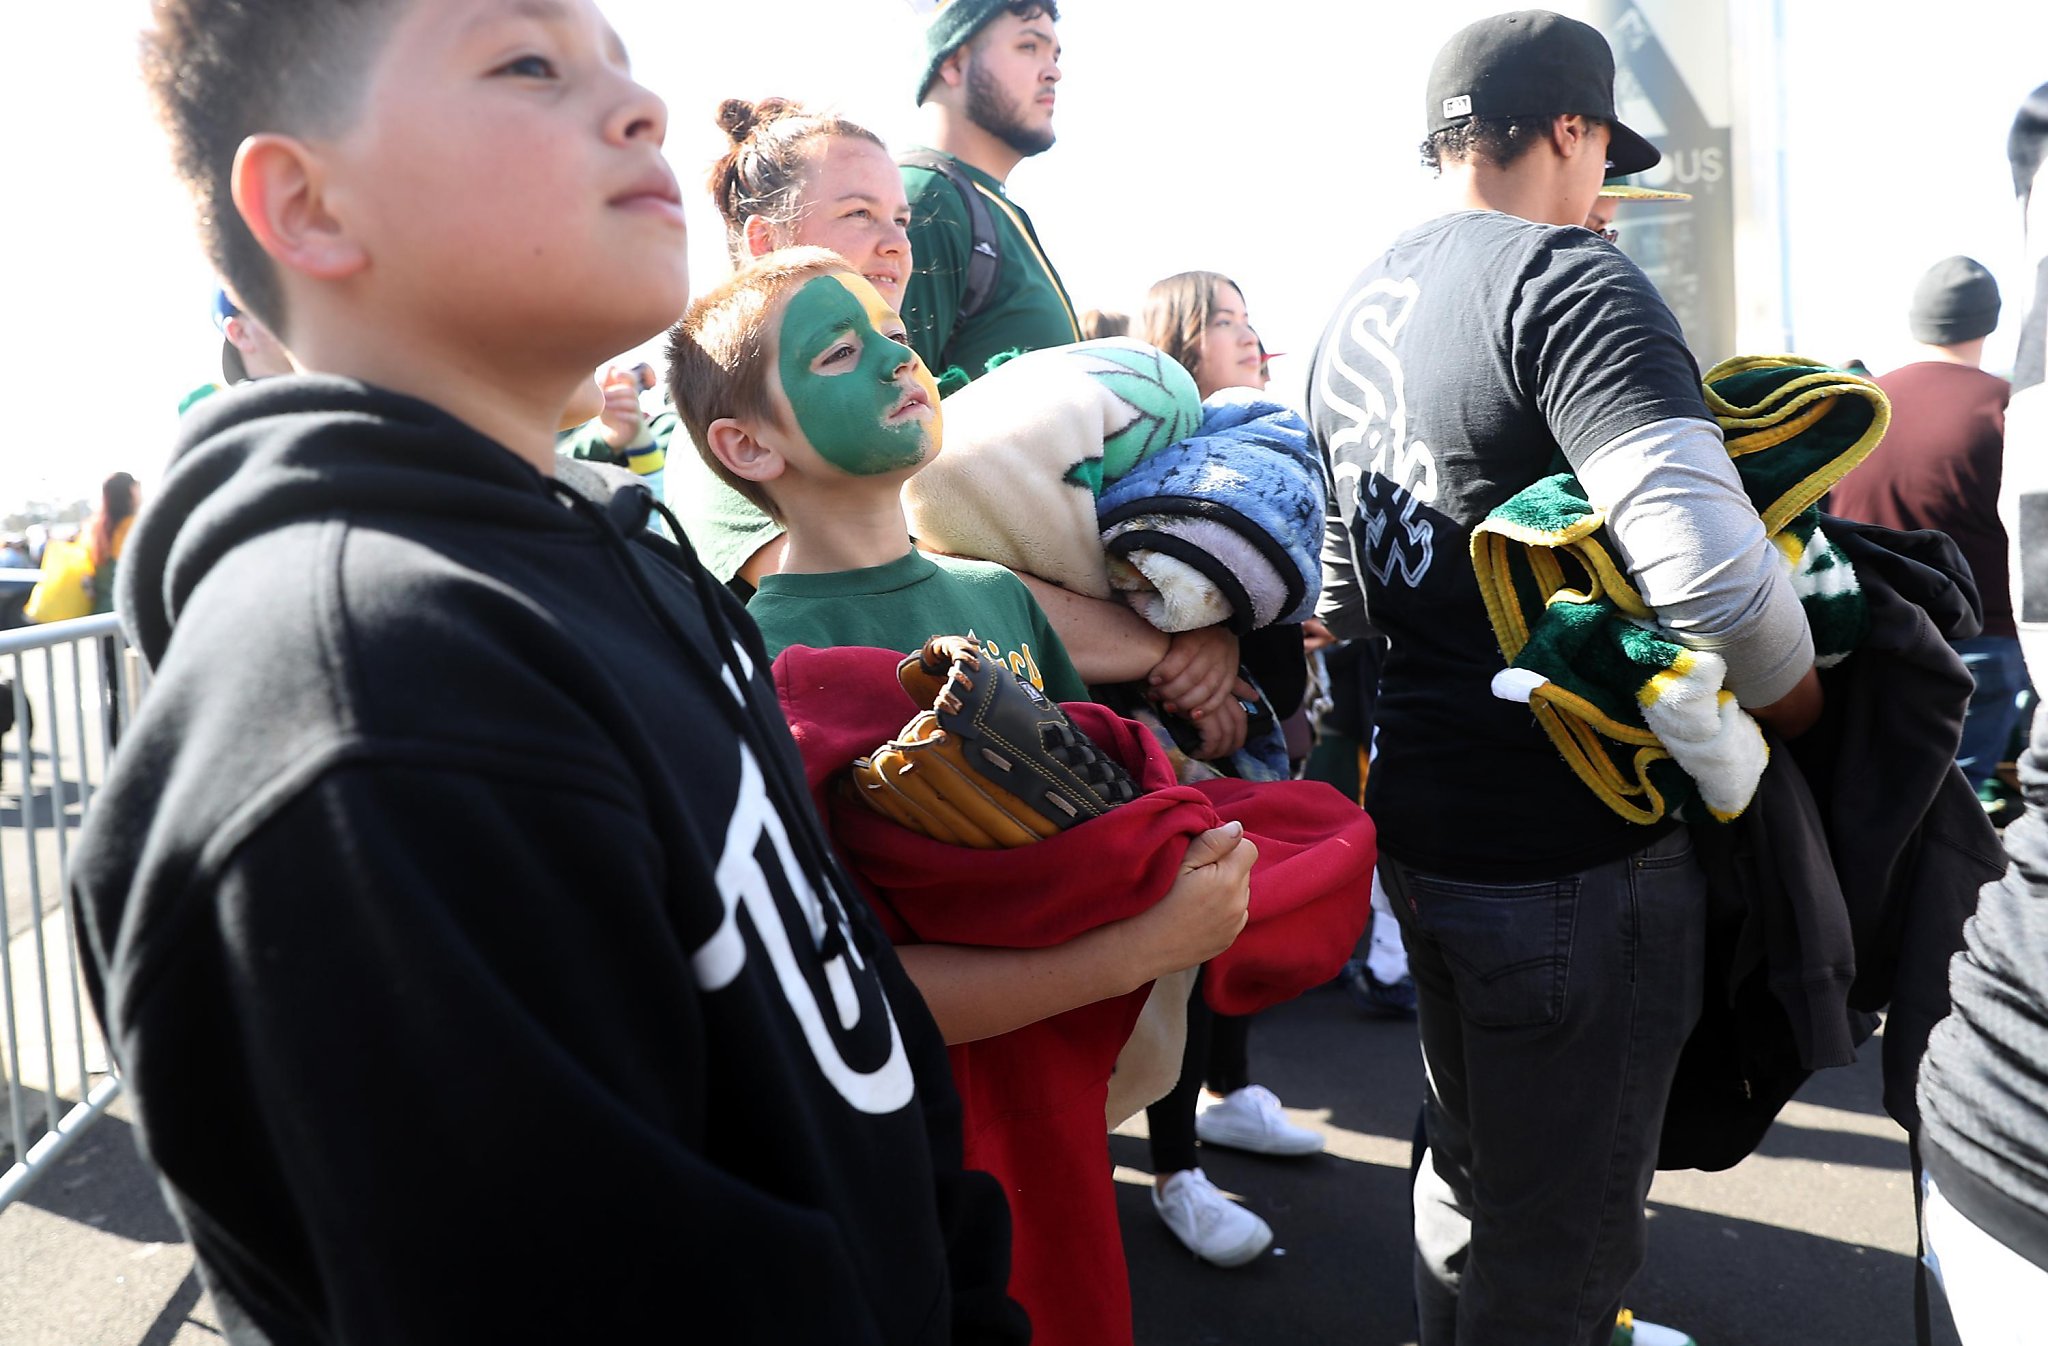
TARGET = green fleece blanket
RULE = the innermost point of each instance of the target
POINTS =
(1643, 720)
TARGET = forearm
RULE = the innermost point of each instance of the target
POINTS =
(975, 992)
(1695, 548)
(1107, 641)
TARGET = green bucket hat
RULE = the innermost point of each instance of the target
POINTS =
(952, 24)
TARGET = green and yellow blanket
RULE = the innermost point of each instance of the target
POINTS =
(1643, 720)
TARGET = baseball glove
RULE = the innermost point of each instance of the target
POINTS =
(993, 763)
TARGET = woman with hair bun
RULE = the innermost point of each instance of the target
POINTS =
(791, 178)
(795, 177)
(798, 178)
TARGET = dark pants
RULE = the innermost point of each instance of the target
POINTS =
(1216, 1055)
(1552, 1015)
(1994, 712)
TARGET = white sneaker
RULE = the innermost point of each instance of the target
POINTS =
(1250, 1119)
(1214, 1228)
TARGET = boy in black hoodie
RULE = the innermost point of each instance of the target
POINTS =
(460, 828)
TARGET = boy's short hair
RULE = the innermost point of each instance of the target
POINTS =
(719, 354)
(220, 71)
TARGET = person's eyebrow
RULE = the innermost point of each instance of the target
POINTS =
(826, 337)
(546, 11)
(555, 13)
(1041, 34)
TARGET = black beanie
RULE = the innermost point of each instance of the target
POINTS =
(1956, 301)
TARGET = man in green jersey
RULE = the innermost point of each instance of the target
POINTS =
(981, 284)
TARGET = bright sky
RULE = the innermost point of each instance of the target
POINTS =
(1273, 143)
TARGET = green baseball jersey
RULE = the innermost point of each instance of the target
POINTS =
(1029, 308)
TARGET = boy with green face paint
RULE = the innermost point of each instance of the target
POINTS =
(840, 404)
(800, 390)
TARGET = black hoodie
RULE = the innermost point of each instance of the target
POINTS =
(464, 933)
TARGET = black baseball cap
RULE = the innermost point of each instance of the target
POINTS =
(1532, 63)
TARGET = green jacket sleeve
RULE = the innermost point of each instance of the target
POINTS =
(940, 237)
(587, 441)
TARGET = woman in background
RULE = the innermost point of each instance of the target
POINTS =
(791, 178)
(120, 497)
(1198, 318)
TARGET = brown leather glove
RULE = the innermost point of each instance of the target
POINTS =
(993, 763)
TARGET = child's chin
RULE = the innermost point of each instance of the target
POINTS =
(650, 313)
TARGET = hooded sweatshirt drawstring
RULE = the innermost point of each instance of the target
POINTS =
(789, 796)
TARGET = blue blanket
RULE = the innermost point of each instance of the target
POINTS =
(1225, 525)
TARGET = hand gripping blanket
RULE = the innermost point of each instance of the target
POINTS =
(1222, 526)
(1031, 444)
(1033, 1099)
(1644, 721)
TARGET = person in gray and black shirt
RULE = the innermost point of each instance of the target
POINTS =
(1556, 948)
(1984, 1082)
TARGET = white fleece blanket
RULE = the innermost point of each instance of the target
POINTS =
(1029, 446)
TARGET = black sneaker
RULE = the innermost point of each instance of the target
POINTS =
(1375, 998)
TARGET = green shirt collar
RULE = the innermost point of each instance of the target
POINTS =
(910, 568)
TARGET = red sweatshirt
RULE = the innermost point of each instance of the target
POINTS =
(1034, 1098)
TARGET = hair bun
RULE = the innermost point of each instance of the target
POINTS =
(742, 119)
(737, 118)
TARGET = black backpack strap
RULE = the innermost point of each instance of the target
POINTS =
(985, 255)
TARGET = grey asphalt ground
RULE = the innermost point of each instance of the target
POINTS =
(1807, 1243)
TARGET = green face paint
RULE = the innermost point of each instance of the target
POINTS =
(840, 375)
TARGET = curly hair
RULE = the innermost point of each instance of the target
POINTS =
(1498, 140)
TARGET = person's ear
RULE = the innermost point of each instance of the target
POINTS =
(1571, 135)
(746, 457)
(758, 233)
(953, 70)
(279, 190)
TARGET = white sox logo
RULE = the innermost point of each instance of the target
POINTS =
(1390, 477)
(847, 1022)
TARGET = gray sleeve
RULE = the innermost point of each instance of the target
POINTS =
(1342, 604)
(1696, 550)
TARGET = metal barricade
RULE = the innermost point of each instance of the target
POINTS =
(73, 686)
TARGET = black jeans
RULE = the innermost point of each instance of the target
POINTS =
(1552, 1015)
